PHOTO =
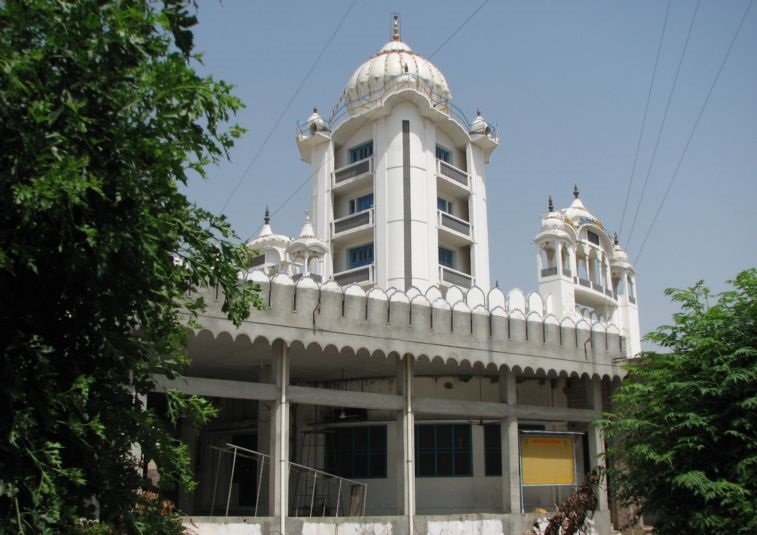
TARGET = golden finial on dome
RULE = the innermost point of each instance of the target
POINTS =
(396, 28)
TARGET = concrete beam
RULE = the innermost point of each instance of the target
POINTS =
(341, 398)
(220, 388)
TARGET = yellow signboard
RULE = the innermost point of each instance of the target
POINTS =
(547, 460)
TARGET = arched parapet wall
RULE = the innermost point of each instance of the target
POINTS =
(535, 303)
(434, 293)
(535, 327)
(454, 295)
(496, 299)
(516, 300)
(461, 318)
(420, 312)
(409, 323)
(475, 297)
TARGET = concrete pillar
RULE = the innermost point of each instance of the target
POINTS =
(406, 442)
(279, 438)
(596, 437)
(511, 498)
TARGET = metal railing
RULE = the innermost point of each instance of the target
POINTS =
(314, 276)
(355, 275)
(453, 223)
(458, 278)
(584, 282)
(353, 221)
(317, 493)
(567, 272)
(548, 272)
(450, 171)
(353, 170)
(347, 107)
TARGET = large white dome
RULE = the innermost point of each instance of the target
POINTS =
(395, 67)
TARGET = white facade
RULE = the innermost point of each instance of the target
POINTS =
(584, 273)
(398, 179)
(383, 355)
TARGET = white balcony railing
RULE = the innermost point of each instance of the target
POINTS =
(358, 275)
(453, 223)
(353, 221)
(354, 170)
(451, 172)
(457, 278)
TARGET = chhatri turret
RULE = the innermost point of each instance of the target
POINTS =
(398, 178)
(582, 269)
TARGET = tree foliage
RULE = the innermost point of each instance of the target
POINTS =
(684, 439)
(102, 119)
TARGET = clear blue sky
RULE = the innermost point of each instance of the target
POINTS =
(565, 82)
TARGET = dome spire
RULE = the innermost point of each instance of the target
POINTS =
(396, 28)
(575, 191)
(267, 216)
(550, 205)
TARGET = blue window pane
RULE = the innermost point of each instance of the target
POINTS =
(443, 450)
(361, 152)
(446, 257)
(365, 202)
(443, 154)
(360, 256)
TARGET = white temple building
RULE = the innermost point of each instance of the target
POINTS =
(387, 387)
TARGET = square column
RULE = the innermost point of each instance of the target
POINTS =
(596, 439)
(511, 498)
(279, 438)
(405, 466)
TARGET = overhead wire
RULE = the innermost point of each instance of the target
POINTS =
(693, 130)
(438, 48)
(288, 105)
(291, 196)
(662, 124)
(644, 119)
(453, 34)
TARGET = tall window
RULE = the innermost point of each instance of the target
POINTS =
(446, 257)
(360, 256)
(443, 154)
(357, 451)
(593, 237)
(444, 205)
(492, 450)
(443, 450)
(361, 152)
(361, 203)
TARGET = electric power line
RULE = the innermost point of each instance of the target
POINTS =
(693, 130)
(644, 119)
(662, 125)
(453, 34)
(288, 105)
(297, 190)
(291, 196)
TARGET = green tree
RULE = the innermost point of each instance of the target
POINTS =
(102, 119)
(683, 434)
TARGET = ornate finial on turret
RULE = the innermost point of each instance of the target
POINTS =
(550, 205)
(267, 217)
(496, 283)
(478, 112)
(396, 28)
(315, 109)
(615, 238)
(575, 191)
